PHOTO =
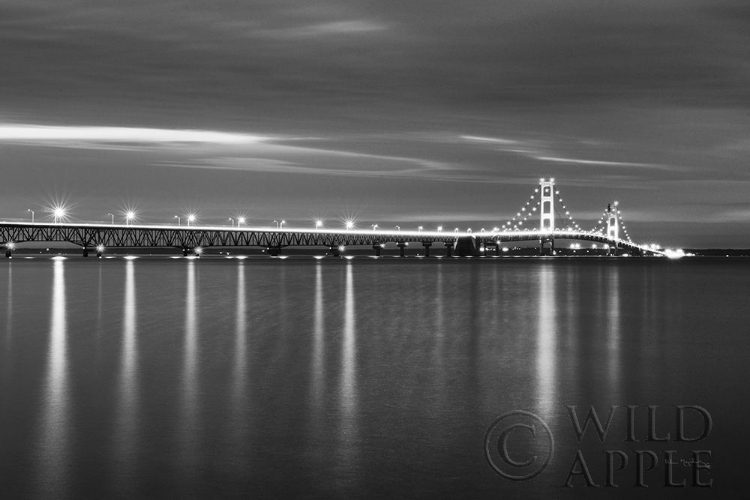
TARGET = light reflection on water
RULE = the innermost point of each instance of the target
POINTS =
(333, 377)
(187, 417)
(546, 341)
(127, 400)
(54, 446)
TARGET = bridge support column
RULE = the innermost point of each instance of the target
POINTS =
(8, 252)
(377, 249)
(85, 252)
(426, 249)
(402, 249)
(273, 251)
(185, 251)
(543, 242)
(99, 254)
(334, 251)
(448, 248)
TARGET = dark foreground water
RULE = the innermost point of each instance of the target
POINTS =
(162, 378)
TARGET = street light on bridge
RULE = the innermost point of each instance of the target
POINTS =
(439, 228)
(232, 221)
(374, 227)
(178, 220)
(318, 224)
(420, 228)
(190, 218)
(59, 213)
(111, 215)
(32, 214)
(350, 224)
(129, 215)
(281, 224)
(241, 220)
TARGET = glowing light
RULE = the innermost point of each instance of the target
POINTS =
(241, 220)
(59, 213)
(318, 223)
(349, 224)
(674, 254)
(342, 248)
(190, 218)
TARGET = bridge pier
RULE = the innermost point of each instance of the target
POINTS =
(426, 248)
(448, 248)
(273, 251)
(85, 251)
(98, 253)
(334, 251)
(467, 246)
(377, 249)
(185, 251)
(8, 252)
(402, 249)
(543, 242)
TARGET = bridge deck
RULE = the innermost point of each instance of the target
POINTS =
(114, 235)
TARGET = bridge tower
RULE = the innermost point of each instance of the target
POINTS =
(613, 225)
(547, 215)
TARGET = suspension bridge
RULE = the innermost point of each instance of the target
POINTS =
(543, 218)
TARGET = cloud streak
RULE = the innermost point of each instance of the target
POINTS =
(603, 163)
(35, 134)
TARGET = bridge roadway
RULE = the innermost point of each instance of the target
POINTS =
(98, 237)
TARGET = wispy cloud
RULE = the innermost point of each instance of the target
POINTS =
(351, 27)
(603, 163)
(491, 140)
(86, 136)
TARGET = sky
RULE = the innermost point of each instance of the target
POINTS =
(410, 113)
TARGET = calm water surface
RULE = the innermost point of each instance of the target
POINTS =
(359, 378)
